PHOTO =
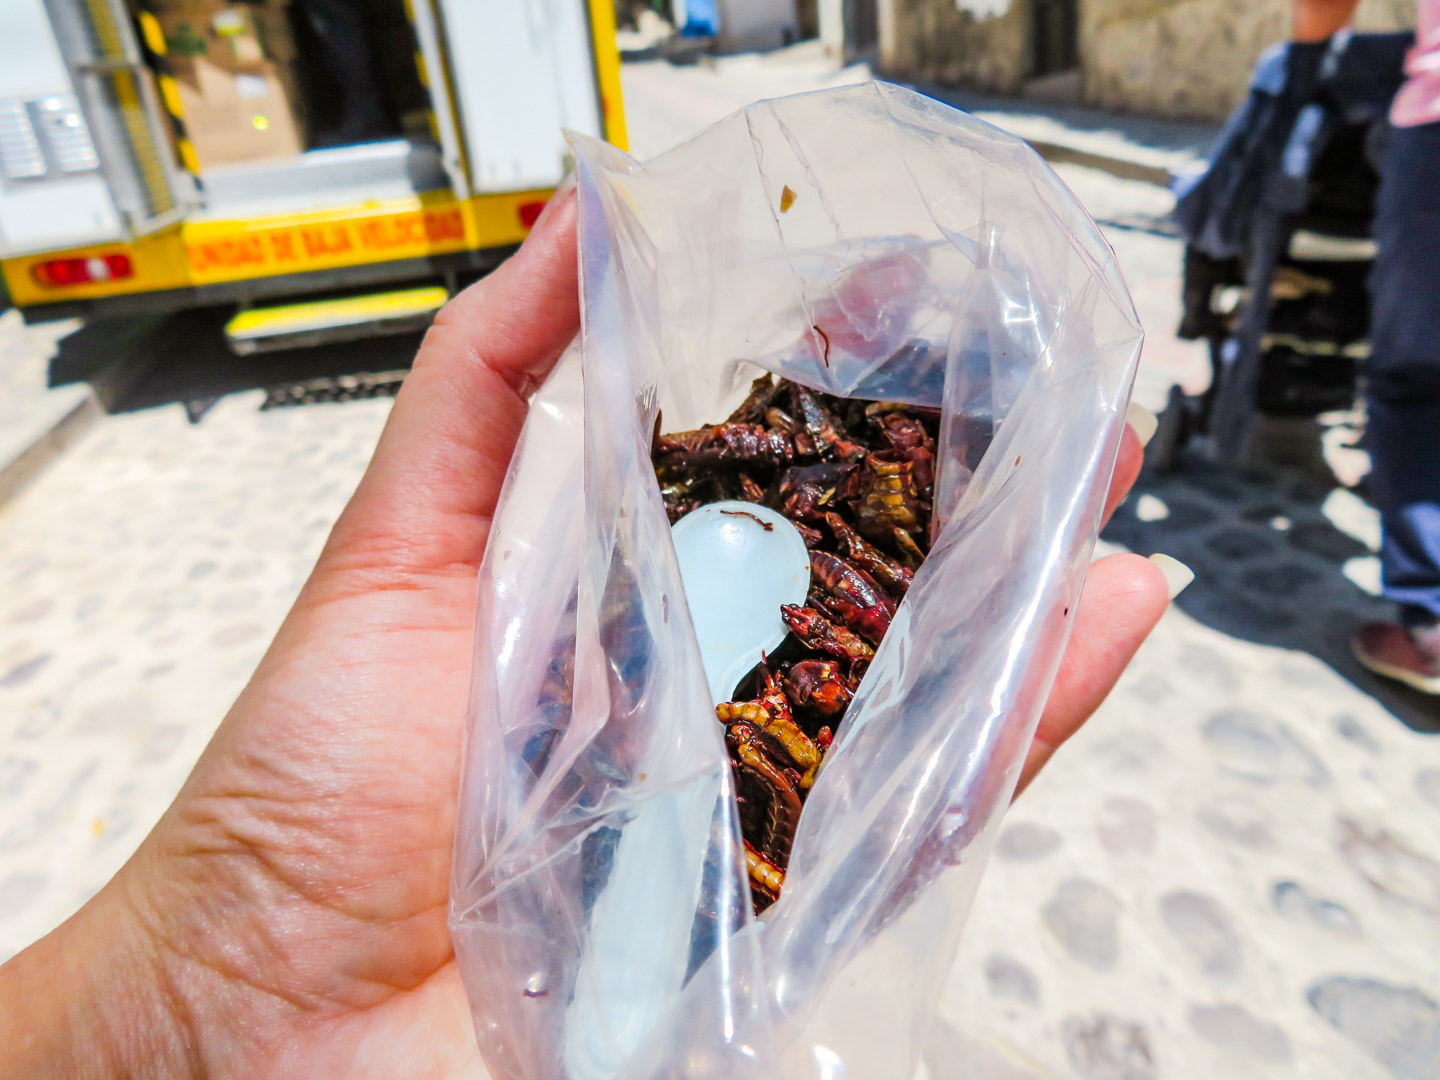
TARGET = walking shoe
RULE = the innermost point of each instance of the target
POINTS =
(1408, 656)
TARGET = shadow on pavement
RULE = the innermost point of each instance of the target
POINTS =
(1269, 565)
(144, 362)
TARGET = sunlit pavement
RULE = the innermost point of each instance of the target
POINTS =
(1232, 872)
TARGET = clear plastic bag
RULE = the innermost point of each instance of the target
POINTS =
(868, 242)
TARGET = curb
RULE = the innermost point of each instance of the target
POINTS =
(1121, 168)
(122, 364)
(48, 445)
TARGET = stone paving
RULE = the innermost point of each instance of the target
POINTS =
(1232, 872)
(142, 576)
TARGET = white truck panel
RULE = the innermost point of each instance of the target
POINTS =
(523, 71)
(30, 60)
(47, 212)
(63, 213)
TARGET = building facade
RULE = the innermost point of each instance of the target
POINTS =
(1188, 59)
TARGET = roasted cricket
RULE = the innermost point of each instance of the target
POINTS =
(857, 479)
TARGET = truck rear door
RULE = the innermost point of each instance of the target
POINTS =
(52, 192)
(123, 110)
(521, 71)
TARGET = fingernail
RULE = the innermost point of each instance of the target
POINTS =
(1177, 574)
(1143, 421)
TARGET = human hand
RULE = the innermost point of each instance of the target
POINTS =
(287, 916)
(1319, 20)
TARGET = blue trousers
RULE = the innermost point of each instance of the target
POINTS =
(1403, 374)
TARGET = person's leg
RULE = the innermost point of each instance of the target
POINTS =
(1403, 400)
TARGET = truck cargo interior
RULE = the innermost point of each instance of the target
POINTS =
(284, 102)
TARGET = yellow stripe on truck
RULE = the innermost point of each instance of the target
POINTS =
(259, 322)
(188, 157)
(170, 94)
(607, 72)
(399, 229)
(211, 252)
(154, 36)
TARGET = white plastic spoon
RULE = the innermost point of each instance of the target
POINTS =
(740, 562)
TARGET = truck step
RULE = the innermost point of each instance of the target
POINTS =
(292, 326)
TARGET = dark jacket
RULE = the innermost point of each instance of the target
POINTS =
(1300, 96)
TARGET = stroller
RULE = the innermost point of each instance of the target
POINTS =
(1278, 243)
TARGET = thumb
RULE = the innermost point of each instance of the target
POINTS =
(426, 500)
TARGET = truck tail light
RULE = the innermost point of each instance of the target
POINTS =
(59, 273)
(529, 212)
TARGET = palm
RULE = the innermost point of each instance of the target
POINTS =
(327, 801)
(324, 807)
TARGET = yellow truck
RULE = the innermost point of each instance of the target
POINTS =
(324, 167)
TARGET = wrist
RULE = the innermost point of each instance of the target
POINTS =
(89, 1001)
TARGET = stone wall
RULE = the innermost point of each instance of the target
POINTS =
(1188, 59)
(977, 43)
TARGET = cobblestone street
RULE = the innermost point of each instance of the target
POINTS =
(143, 575)
(1234, 870)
